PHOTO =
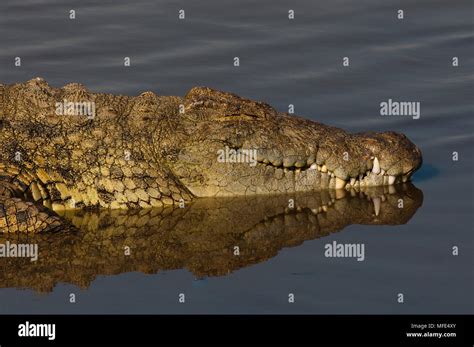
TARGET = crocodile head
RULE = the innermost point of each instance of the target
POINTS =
(236, 146)
(150, 150)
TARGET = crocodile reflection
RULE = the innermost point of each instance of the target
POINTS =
(200, 237)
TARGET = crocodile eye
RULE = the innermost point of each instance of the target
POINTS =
(216, 105)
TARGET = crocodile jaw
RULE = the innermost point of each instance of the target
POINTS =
(280, 153)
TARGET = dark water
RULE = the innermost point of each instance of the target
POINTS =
(282, 62)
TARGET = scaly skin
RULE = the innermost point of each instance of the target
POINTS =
(200, 238)
(152, 151)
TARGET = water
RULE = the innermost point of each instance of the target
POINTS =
(283, 62)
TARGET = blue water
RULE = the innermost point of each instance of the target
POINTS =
(283, 62)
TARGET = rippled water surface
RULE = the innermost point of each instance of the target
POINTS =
(283, 62)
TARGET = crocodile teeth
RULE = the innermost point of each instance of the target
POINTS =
(340, 183)
(353, 181)
(340, 193)
(300, 163)
(376, 202)
(376, 167)
(324, 168)
(313, 166)
(277, 162)
(288, 162)
(391, 180)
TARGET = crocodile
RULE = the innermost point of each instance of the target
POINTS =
(151, 151)
(201, 238)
